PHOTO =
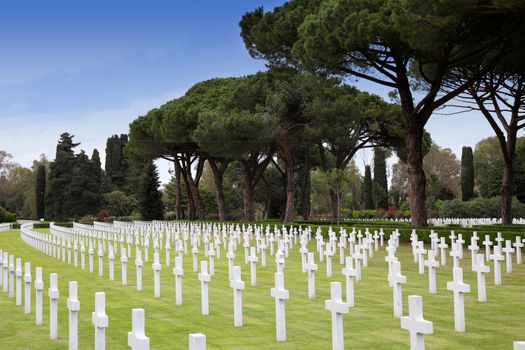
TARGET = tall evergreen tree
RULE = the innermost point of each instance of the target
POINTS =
(85, 197)
(467, 174)
(368, 197)
(380, 183)
(150, 198)
(116, 165)
(60, 178)
(40, 191)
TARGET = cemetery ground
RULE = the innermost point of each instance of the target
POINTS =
(369, 325)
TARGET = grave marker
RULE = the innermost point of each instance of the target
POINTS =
(280, 295)
(53, 305)
(197, 341)
(337, 307)
(349, 272)
(100, 319)
(39, 287)
(481, 269)
(137, 339)
(205, 278)
(459, 289)
(27, 289)
(73, 305)
(397, 280)
(178, 272)
(237, 285)
(415, 323)
(311, 267)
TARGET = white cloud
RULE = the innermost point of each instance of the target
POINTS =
(28, 136)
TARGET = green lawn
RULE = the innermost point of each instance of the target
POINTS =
(370, 325)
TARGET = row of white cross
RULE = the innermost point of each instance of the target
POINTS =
(137, 339)
(359, 253)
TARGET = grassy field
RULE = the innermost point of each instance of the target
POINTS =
(370, 325)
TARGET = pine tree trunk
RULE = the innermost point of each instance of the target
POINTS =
(336, 207)
(248, 201)
(290, 185)
(416, 174)
(306, 192)
(218, 178)
(178, 194)
(191, 204)
(197, 200)
(506, 195)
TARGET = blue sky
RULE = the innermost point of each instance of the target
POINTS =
(91, 67)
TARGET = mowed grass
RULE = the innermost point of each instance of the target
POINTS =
(370, 325)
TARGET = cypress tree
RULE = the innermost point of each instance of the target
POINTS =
(467, 174)
(380, 183)
(150, 198)
(60, 178)
(85, 197)
(368, 198)
(40, 189)
(116, 165)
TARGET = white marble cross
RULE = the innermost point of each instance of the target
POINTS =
(304, 251)
(459, 243)
(455, 253)
(518, 245)
(481, 269)
(156, 266)
(178, 272)
(73, 305)
(75, 254)
(111, 258)
(500, 240)
(443, 251)
(253, 259)
(487, 243)
(27, 289)
(397, 280)
(91, 253)
(280, 295)
(329, 253)
(231, 257)
(100, 260)
(138, 266)
(415, 323)
(124, 262)
(18, 274)
(168, 256)
(349, 272)
(39, 287)
(205, 278)
(263, 253)
(137, 339)
(237, 285)
(508, 250)
(1, 267)
(194, 252)
(100, 319)
(11, 276)
(421, 251)
(519, 345)
(459, 289)
(6, 272)
(497, 258)
(337, 307)
(311, 267)
(432, 265)
(473, 247)
(279, 260)
(53, 305)
(197, 341)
